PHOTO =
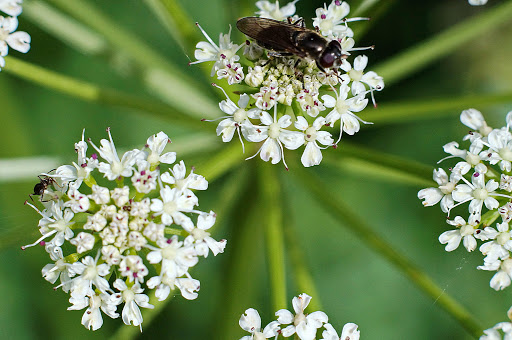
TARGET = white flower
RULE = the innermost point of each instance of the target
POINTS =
(79, 170)
(173, 205)
(116, 167)
(471, 157)
(478, 3)
(266, 97)
(156, 144)
(234, 73)
(144, 180)
(83, 242)
(465, 232)
(275, 135)
(89, 273)
(78, 202)
(474, 119)
(120, 196)
(501, 279)
(176, 258)
(358, 77)
(251, 322)
(273, 11)
(11, 7)
(92, 319)
(58, 270)
(308, 99)
(133, 268)
(500, 149)
(188, 287)
(100, 195)
(222, 54)
(312, 154)
(500, 244)
(443, 193)
(201, 239)
(332, 20)
(133, 299)
(177, 177)
(304, 326)
(477, 193)
(349, 332)
(237, 119)
(494, 334)
(20, 41)
(344, 109)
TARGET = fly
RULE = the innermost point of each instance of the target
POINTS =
(293, 39)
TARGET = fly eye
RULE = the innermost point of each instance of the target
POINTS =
(327, 60)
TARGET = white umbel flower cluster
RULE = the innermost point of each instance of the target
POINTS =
(9, 37)
(298, 325)
(495, 333)
(480, 183)
(118, 227)
(286, 102)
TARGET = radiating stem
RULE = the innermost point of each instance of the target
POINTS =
(405, 111)
(274, 238)
(416, 57)
(343, 213)
(93, 93)
(161, 75)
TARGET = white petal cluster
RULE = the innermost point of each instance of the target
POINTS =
(298, 325)
(298, 92)
(9, 36)
(140, 230)
(478, 184)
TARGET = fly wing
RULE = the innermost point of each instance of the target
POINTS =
(271, 34)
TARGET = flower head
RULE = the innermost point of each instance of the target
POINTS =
(126, 230)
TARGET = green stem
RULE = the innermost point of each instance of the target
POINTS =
(377, 162)
(274, 238)
(301, 268)
(342, 212)
(405, 111)
(159, 74)
(220, 163)
(93, 93)
(178, 23)
(445, 42)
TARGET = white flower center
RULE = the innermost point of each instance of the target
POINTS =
(90, 272)
(472, 159)
(170, 207)
(507, 265)
(116, 167)
(341, 106)
(503, 238)
(258, 336)
(480, 194)
(3, 34)
(466, 230)
(274, 130)
(128, 295)
(240, 115)
(299, 318)
(447, 188)
(310, 134)
(59, 225)
(169, 253)
(355, 75)
(199, 234)
(326, 25)
(153, 158)
(505, 154)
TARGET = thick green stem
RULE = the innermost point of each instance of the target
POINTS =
(162, 76)
(274, 238)
(350, 220)
(93, 93)
(405, 111)
(416, 57)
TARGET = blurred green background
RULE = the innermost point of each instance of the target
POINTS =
(354, 283)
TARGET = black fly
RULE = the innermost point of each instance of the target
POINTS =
(293, 39)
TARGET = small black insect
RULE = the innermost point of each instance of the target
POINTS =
(293, 39)
(39, 188)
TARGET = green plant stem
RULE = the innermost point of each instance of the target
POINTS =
(274, 237)
(405, 111)
(178, 23)
(93, 93)
(301, 270)
(379, 162)
(217, 165)
(158, 73)
(342, 212)
(418, 56)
